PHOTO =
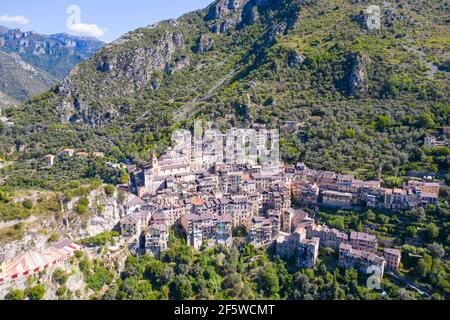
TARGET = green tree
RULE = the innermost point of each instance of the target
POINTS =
(61, 291)
(337, 222)
(411, 231)
(432, 231)
(124, 179)
(136, 289)
(36, 293)
(426, 120)
(15, 294)
(382, 123)
(82, 205)
(424, 265)
(4, 197)
(360, 227)
(28, 204)
(370, 215)
(181, 288)
(154, 271)
(268, 281)
(392, 182)
(349, 133)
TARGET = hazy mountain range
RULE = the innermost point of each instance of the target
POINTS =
(31, 63)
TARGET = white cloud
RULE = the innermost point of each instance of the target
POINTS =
(14, 19)
(87, 30)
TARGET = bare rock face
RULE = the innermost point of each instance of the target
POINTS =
(96, 92)
(358, 85)
(204, 44)
(178, 64)
(228, 14)
(222, 8)
(119, 72)
(295, 59)
(276, 30)
(139, 64)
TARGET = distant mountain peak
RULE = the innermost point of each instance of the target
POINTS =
(47, 59)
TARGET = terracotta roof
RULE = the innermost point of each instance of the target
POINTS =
(300, 230)
(429, 195)
(392, 251)
(197, 201)
(362, 236)
(135, 201)
(157, 226)
(130, 219)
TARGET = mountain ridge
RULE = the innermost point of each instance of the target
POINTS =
(52, 56)
(313, 63)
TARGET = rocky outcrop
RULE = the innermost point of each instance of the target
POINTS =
(275, 31)
(204, 44)
(70, 224)
(358, 82)
(75, 227)
(295, 59)
(31, 63)
(224, 15)
(120, 72)
(178, 64)
(223, 8)
(139, 64)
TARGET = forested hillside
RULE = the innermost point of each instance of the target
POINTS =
(360, 98)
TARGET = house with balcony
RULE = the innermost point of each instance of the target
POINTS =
(337, 199)
(261, 231)
(363, 241)
(362, 261)
(156, 239)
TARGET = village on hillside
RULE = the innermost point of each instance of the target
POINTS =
(273, 203)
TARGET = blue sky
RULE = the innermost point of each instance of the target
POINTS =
(106, 20)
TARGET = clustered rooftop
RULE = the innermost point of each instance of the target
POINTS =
(209, 202)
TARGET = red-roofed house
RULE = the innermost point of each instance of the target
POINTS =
(31, 262)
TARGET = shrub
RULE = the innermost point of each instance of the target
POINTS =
(36, 293)
(61, 291)
(109, 190)
(99, 278)
(100, 239)
(53, 238)
(28, 204)
(15, 294)
(60, 277)
(82, 205)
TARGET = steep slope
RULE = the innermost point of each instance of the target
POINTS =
(341, 54)
(19, 80)
(31, 62)
(241, 61)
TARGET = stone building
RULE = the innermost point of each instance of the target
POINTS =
(363, 241)
(393, 257)
(360, 260)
